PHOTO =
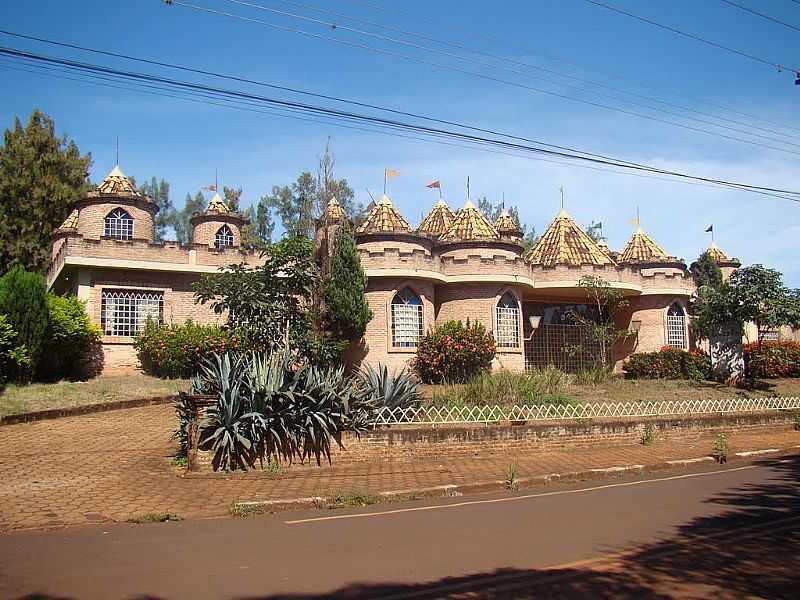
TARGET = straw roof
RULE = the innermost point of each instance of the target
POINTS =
(642, 248)
(439, 220)
(117, 183)
(384, 217)
(565, 243)
(507, 226)
(469, 224)
(334, 210)
(217, 205)
(71, 222)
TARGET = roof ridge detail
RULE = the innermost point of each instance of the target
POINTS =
(217, 205)
(116, 182)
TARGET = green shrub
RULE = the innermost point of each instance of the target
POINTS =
(721, 449)
(399, 389)
(769, 360)
(668, 363)
(23, 300)
(8, 339)
(72, 341)
(454, 352)
(176, 351)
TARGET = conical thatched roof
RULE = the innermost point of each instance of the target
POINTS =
(469, 224)
(507, 226)
(565, 243)
(439, 220)
(217, 205)
(384, 217)
(717, 254)
(71, 222)
(334, 210)
(642, 248)
(117, 183)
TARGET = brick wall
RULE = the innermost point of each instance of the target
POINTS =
(91, 218)
(205, 227)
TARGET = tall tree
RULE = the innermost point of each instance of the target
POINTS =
(231, 196)
(492, 212)
(23, 300)
(706, 271)
(183, 218)
(158, 191)
(344, 289)
(41, 177)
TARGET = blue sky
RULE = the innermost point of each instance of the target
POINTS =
(184, 142)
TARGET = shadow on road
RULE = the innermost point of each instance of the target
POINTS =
(750, 550)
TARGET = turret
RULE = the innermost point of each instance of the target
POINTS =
(218, 227)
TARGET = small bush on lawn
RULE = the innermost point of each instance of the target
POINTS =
(453, 352)
(174, 351)
(668, 363)
(769, 360)
(72, 341)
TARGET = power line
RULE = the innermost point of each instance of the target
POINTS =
(760, 14)
(697, 38)
(485, 77)
(306, 108)
(516, 71)
(508, 42)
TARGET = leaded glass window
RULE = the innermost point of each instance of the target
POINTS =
(676, 326)
(406, 319)
(118, 225)
(507, 316)
(125, 312)
(224, 237)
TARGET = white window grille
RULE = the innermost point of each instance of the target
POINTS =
(507, 316)
(771, 336)
(224, 237)
(676, 327)
(406, 319)
(125, 312)
(118, 225)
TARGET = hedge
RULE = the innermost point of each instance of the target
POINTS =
(668, 363)
(771, 360)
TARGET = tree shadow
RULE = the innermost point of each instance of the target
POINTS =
(750, 549)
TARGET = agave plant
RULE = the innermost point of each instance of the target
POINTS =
(225, 433)
(392, 390)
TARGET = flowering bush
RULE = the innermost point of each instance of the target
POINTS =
(772, 359)
(454, 352)
(669, 363)
(177, 350)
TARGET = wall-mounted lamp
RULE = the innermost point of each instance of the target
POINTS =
(533, 321)
(636, 326)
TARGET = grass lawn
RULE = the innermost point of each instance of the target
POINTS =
(17, 399)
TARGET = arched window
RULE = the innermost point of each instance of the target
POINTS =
(507, 317)
(676, 326)
(224, 237)
(119, 225)
(406, 319)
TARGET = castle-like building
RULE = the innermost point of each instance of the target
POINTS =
(454, 265)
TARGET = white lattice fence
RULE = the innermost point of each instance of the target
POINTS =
(491, 414)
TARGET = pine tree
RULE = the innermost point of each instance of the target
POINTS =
(345, 286)
(183, 218)
(41, 177)
(158, 191)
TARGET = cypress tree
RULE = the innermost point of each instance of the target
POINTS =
(23, 300)
(707, 272)
(41, 177)
(348, 311)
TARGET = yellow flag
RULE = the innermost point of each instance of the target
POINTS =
(389, 173)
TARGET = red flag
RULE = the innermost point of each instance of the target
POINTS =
(434, 184)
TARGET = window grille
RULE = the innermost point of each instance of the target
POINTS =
(676, 327)
(406, 319)
(118, 225)
(224, 237)
(125, 312)
(507, 314)
(770, 336)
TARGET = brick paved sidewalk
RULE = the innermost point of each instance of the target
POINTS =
(117, 465)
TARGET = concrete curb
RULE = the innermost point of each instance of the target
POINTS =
(454, 490)
(76, 411)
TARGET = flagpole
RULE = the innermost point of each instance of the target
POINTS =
(440, 190)
(384, 182)
(468, 198)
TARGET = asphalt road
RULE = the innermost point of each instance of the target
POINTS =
(717, 532)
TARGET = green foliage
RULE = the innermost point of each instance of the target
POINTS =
(9, 351)
(769, 360)
(182, 219)
(155, 517)
(41, 177)
(158, 191)
(399, 389)
(706, 271)
(454, 352)
(607, 302)
(72, 341)
(176, 351)
(540, 386)
(797, 422)
(492, 211)
(347, 309)
(23, 300)
(594, 376)
(275, 407)
(668, 363)
(753, 294)
(721, 449)
(511, 480)
(648, 436)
